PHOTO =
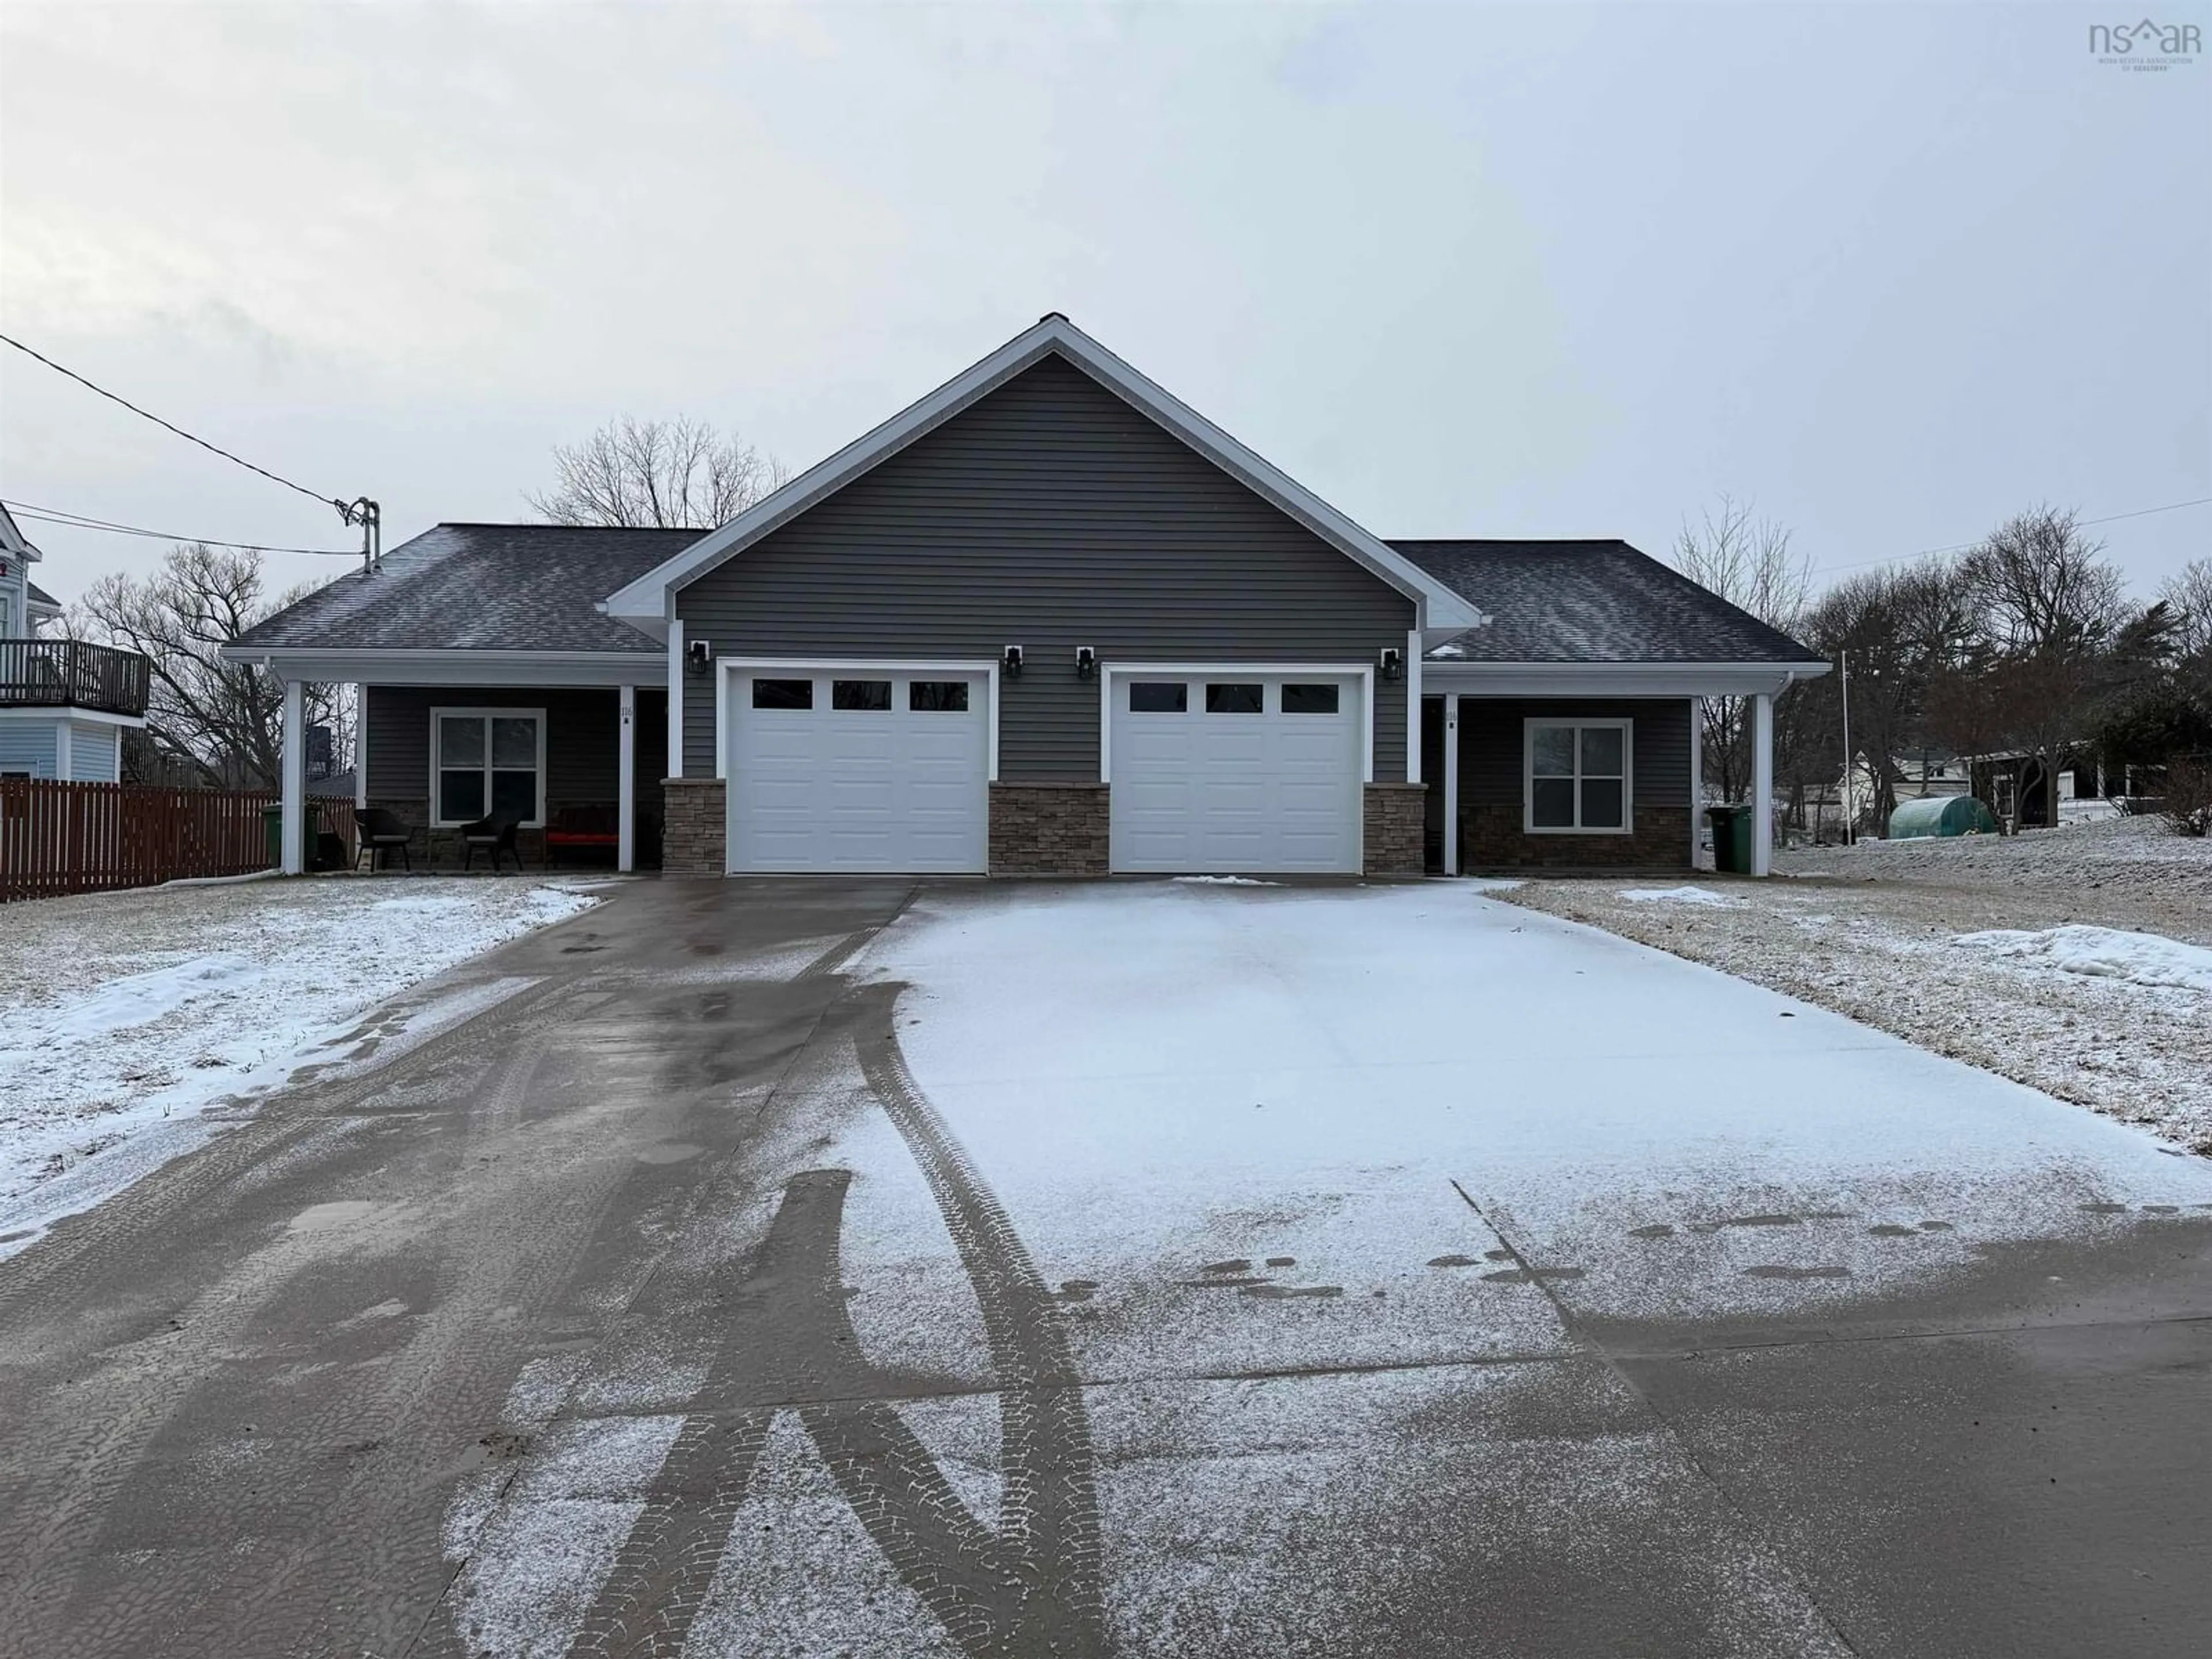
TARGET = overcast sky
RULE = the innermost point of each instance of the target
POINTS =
(1893, 271)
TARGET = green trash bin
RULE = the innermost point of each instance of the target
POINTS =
(272, 825)
(1731, 839)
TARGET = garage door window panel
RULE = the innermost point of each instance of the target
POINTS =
(937, 696)
(783, 693)
(861, 696)
(1158, 697)
(1310, 699)
(1578, 778)
(1235, 697)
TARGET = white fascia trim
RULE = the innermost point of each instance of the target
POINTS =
(1363, 673)
(987, 667)
(64, 712)
(1606, 679)
(651, 597)
(387, 667)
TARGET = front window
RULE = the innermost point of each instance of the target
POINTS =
(488, 760)
(1578, 777)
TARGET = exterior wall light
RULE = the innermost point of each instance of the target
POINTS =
(1086, 663)
(1011, 660)
(1393, 662)
(699, 653)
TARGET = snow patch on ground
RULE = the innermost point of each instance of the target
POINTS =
(124, 1016)
(1704, 895)
(2101, 953)
(1222, 881)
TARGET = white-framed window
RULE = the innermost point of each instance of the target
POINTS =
(484, 761)
(1576, 777)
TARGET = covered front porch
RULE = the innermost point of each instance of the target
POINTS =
(1581, 766)
(571, 748)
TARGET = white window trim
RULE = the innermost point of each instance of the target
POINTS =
(1626, 728)
(731, 669)
(1233, 670)
(439, 713)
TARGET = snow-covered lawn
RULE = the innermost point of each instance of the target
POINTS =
(122, 1011)
(2074, 960)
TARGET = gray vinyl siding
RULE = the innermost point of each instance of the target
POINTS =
(93, 754)
(27, 746)
(1051, 514)
(583, 742)
(1491, 736)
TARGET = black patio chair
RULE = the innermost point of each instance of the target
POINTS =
(381, 835)
(495, 833)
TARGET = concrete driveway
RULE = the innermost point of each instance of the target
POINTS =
(1193, 1269)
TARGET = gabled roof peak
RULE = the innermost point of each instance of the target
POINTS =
(650, 599)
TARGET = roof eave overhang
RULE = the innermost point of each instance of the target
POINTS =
(651, 597)
(326, 664)
(1614, 679)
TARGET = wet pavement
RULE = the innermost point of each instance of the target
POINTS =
(715, 1290)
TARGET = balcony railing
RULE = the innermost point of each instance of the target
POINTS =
(69, 674)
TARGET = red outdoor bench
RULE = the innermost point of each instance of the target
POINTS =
(595, 825)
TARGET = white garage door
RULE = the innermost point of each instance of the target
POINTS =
(1228, 773)
(859, 770)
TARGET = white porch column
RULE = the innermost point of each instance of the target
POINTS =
(1451, 783)
(626, 791)
(360, 746)
(1697, 778)
(1412, 705)
(1762, 784)
(675, 700)
(293, 778)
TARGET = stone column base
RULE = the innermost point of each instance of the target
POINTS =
(1392, 830)
(695, 832)
(1049, 830)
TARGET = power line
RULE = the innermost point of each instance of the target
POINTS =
(1960, 547)
(312, 495)
(79, 521)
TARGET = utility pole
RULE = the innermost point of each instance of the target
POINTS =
(370, 517)
(1850, 778)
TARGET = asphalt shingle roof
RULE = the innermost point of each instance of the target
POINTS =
(1599, 601)
(39, 596)
(481, 587)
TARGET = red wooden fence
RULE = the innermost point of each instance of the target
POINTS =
(58, 838)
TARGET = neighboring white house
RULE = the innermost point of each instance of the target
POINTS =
(64, 705)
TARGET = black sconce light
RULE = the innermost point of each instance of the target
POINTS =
(1086, 663)
(1393, 661)
(699, 653)
(1011, 660)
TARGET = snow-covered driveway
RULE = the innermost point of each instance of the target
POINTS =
(1161, 1077)
(1219, 1270)
(124, 1016)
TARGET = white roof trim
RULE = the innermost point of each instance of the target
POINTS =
(15, 541)
(1612, 679)
(372, 666)
(651, 596)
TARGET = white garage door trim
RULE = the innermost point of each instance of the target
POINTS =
(1356, 678)
(735, 672)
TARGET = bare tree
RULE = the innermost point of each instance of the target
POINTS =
(1903, 627)
(215, 723)
(669, 475)
(2041, 586)
(2188, 595)
(1747, 559)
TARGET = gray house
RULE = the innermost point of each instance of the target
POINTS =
(1047, 621)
